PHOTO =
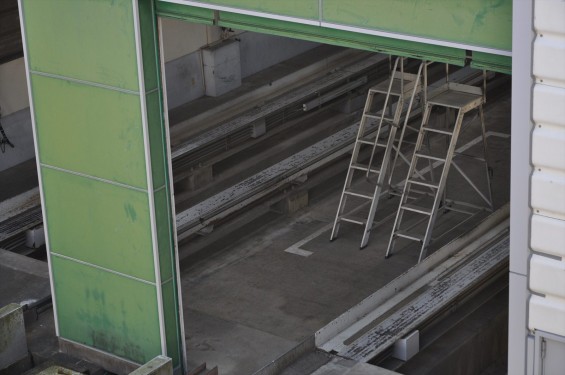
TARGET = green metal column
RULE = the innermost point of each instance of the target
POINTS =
(101, 144)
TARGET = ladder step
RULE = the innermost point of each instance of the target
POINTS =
(418, 209)
(425, 156)
(364, 168)
(358, 194)
(423, 183)
(435, 130)
(352, 221)
(409, 236)
(367, 141)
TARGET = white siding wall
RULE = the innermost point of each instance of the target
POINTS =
(547, 268)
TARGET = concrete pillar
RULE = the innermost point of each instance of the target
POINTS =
(222, 67)
(13, 345)
(93, 71)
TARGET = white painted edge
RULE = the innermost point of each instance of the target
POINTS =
(272, 16)
(337, 26)
(144, 121)
(125, 275)
(100, 179)
(38, 166)
(173, 223)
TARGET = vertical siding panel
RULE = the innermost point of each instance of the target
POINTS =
(548, 158)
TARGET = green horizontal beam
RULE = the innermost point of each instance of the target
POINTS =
(362, 40)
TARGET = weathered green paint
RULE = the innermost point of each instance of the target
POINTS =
(156, 139)
(186, 13)
(171, 321)
(162, 215)
(97, 47)
(98, 223)
(100, 128)
(480, 23)
(307, 9)
(484, 23)
(106, 311)
(99, 133)
(343, 38)
(501, 64)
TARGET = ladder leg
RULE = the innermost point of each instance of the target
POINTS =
(486, 156)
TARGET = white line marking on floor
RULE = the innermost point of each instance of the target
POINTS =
(295, 248)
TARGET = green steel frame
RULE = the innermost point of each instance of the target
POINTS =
(94, 77)
(478, 32)
(102, 145)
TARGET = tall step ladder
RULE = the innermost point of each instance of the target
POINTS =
(399, 89)
(425, 205)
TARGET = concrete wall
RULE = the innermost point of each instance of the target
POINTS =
(259, 51)
(183, 43)
(15, 119)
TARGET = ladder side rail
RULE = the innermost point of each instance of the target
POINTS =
(442, 184)
(486, 154)
(404, 126)
(404, 196)
(387, 99)
(350, 170)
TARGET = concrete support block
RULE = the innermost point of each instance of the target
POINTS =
(258, 128)
(352, 104)
(13, 345)
(35, 237)
(407, 347)
(222, 67)
(200, 177)
(295, 201)
(103, 359)
(159, 365)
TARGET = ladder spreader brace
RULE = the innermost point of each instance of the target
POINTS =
(400, 85)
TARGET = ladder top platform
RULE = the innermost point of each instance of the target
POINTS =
(409, 81)
(455, 95)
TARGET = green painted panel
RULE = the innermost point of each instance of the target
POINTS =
(486, 23)
(501, 64)
(106, 311)
(98, 223)
(491, 27)
(148, 43)
(89, 129)
(344, 38)
(156, 139)
(163, 219)
(171, 322)
(308, 9)
(88, 40)
(185, 12)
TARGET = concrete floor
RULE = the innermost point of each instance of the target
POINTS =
(258, 293)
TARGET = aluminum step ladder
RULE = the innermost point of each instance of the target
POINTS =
(403, 87)
(453, 97)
